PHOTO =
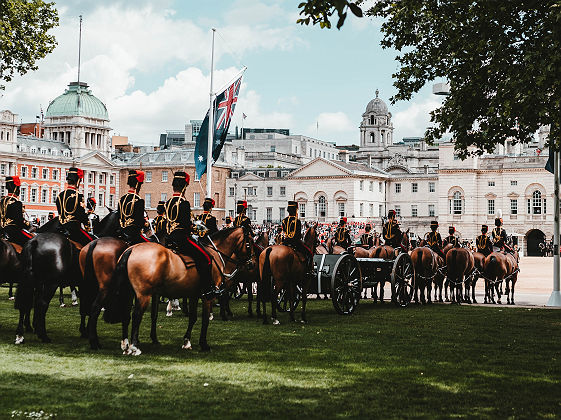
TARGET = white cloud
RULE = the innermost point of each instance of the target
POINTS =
(414, 120)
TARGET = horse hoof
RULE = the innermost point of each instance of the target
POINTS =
(156, 342)
(187, 345)
(205, 348)
(303, 321)
(124, 344)
(19, 339)
(62, 305)
(170, 313)
(211, 316)
(133, 351)
(45, 339)
(275, 321)
(11, 298)
(83, 334)
(74, 303)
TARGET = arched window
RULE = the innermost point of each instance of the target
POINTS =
(371, 120)
(536, 205)
(321, 207)
(372, 138)
(456, 203)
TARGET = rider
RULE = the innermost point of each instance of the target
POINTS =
(451, 238)
(433, 239)
(92, 217)
(160, 222)
(279, 235)
(11, 213)
(391, 232)
(131, 210)
(241, 219)
(227, 222)
(71, 212)
(292, 233)
(342, 236)
(178, 215)
(483, 242)
(366, 239)
(208, 219)
(498, 234)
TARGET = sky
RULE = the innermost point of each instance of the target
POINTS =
(149, 62)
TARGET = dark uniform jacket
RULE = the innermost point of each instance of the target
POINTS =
(433, 240)
(242, 220)
(499, 238)
(11, 213)
(131, 213)
(483, 244)
(391, 233)
(342, 237)
(160, 226)
(367, 240)
(70, 208)
(451, 239)
(292, 229)
(178, 215)
(209, 221)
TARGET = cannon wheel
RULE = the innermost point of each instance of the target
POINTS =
(346, 284)
(403, 280)
(283, 301)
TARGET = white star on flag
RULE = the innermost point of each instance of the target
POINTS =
(201, 158)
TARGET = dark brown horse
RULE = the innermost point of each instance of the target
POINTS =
(152, 269)
(426, 263)
(333, 248)
(440, 280)
(459, 266)
(281, 267)
(500, 266)
(10, 267)
(479, 262)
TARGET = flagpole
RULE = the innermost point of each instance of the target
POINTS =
(555, 297)
(210, 124)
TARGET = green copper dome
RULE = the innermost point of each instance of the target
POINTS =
(77, 100)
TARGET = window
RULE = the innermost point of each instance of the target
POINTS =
(282, 191)
(432, 187)
(432, 213)
(341, 209)
(456, 157)
(111, 200)
(24, 171)
(273, 148)
(231, 213)
(371, 186)
(90, 178)
(371, 213)
(361, 209)
(456, 203)
(269, 213)
(33, 195)
(302, 210)
(361, 185)
(34, 172)
(55, 174)
(270, 193)
(196, 199)
(321, 207)
(513, 206)
(414, 210)
(251, 190)
(414, 187)
(23, 194)
(536, 207)
(148, 176)
(101, 178)
(54, 195)
(491, 183)
(398, 210)
(164, 176)
(231, 191)
(112, 179)
(163, 197)
(281, 212)
(491, 206)
(261, 174)
(284, 173)
(44, 196)
(397, 188)
(100, 199)
(3, 169)
(147, 200)
(380, 186)
(45, 173)
(513, 183)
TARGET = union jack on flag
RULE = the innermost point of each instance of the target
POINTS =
(226, 106)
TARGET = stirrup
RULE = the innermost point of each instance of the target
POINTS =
(211, 294)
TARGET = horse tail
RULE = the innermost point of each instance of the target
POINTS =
(266, 277)
(453, 259)
(118, 302)
(24, 291)
(419, 268)
(89, 286)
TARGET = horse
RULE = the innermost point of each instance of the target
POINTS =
(388, 253)
(333, 248)
(479, 262)
(500, 266)
(10, 267)
(152, 270)
(427, 264)
(441, 280)
(281, 267)
(49, 261)
(460, 266)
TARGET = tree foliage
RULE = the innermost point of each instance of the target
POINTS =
(24, 37)
(321, 11)
(501, 58)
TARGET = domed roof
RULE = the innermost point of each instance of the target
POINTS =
(377, 106)
(77, 100)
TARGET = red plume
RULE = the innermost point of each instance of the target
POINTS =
(140, 176)
(16, 181)
(80, 173)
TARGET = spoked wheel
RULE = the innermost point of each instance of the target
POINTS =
(283, 300)
(403, 280)
(346, 285)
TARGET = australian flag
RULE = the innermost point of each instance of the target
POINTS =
(224, 105)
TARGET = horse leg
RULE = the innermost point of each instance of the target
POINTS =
(83, 329)
(204, 327)
(92, 324)
(154, 319)
(250, 299)
(304, 301)
(26, 321)
(422, 290)
(193, 303)
(499, 287)
(382, 285)
(74, 296)
(41, 307)
(223, 299)
(429, 291)
(61, 298)
(19, 329)
(139, 307)
(473, 284)
(274, 299)
(10, 291)
(513, 280)
(446, 285)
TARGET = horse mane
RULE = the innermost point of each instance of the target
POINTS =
(218, 235)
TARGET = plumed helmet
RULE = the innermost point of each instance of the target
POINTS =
(73, 175)
(241, 206)
(161, 207)
(434, 224)
(136, 177)
(367, 227)
(180, 180)
(484, 228)
(292, 207)
(451, 230)
(12, 182)
(228, 220)
(208, 204)
(343, 221)
(391, 214)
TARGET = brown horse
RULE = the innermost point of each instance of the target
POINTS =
(479, 262)
(388, 253)
(459, 266)
(152, 269)
(333, 248)
(280, 267)
(441, 281)
(500, 266)
(427, 264)
(98, 260)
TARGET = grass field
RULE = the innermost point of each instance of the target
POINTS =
(436, 361)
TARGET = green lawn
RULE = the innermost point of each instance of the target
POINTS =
(436, 361)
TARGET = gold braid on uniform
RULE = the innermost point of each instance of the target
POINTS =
(172, 219)
(291, 227)
(3, 210)
(497, 236)
(483, 238)
(128, 221)
(67, 216)
(389, 234)
(340, 235)
(431, 239)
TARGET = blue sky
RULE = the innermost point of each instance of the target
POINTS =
(149, 63)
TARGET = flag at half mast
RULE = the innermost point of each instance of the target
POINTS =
(224, 106)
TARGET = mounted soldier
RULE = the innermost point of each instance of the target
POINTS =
(342, 235)
(292, 233)
(71, 212)
(160, 222)
(433, 239)
(208, 219)
(483, 242)
(12, 221)
(241, 219)
(131, 210)
(92, 217)
(452, 238)
(227, 222)
(180, 228)
(391, 232)
(498, 235)
(366, 239)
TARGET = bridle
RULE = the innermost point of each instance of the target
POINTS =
(238, 263)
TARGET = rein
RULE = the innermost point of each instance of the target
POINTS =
(226, 257)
